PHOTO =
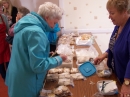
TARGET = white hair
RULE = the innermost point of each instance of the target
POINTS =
(50, 10)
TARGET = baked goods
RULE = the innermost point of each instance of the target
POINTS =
(53, 71)
(62, 91)
(52, 77)
(104, 73)
(85, 36)
(66, 70)
(74, 70)
(72, 42)
(64, 76)
(60, 70)
(51, 95)
(82, 59)
(64, 82)
(77, 76)
(44, 93)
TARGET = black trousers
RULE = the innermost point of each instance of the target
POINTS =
(3, 70)
(52, 48)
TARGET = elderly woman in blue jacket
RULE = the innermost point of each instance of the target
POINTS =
(30, 60)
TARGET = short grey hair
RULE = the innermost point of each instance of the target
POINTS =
(23, 11)
(51, 10)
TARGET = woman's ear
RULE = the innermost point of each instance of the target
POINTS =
(46, 18)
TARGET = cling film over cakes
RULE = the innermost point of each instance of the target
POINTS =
(85, 39)
(102, 70)
(85, 54)
(66, 49)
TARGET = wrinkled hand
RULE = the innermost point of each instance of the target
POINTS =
(59, 34)
(51, 52)
(125, 91)
(100, 58)
(64, 57)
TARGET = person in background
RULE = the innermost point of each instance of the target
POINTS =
(22, 11)
(30, 59)
(4, 46)
(118, 52)
(53, 37)
(10, 11)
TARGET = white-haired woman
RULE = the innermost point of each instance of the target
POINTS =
(30, 60)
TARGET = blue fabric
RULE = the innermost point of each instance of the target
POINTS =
(52, 35)
(121, 53)
(30, 60)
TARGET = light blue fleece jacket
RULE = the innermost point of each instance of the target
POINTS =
(30, 60)
(52, 35)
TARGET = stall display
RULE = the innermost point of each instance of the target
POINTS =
(69, 77)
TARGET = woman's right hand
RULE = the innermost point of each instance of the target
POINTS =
(100, 58)
(64, 57)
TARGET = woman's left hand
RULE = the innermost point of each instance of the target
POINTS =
(125, 91)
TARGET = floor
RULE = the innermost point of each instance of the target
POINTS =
(3, 88)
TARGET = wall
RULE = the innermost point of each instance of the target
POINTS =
(86, 15)
(32, 5)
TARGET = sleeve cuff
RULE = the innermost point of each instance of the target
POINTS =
(59, 60)
(107, 50)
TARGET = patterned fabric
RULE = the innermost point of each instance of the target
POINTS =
(111, 46)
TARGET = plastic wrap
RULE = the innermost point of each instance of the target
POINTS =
(85, 39)
(64, 76)
(107, 87)
(66, 82)
(86, 54)
(52, 77)
(65, 49)
(68, 63)
(102, 71)
(62, 91)
(77, 76)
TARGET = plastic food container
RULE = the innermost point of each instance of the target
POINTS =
(107, 87)
(87, 69)
(104, 73)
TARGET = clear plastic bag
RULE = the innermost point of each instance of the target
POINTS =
(107, 87)
(65, 49)
(85, 39)
(53, 71)
(62, 91)
(102, 71)
(68, 63)
(74, 70)
(64, 75)
(44, 93)
(86, 54)
(52, 77)
(66, 82)
(77, 76)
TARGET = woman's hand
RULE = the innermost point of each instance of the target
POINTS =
(125, 91)
(100, 58)
(64, 57)
(9, 17)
